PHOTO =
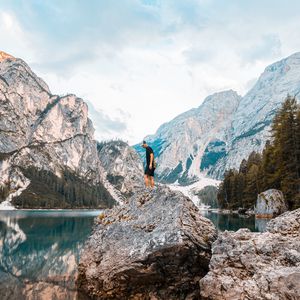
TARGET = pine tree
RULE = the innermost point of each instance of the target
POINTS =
(284, 133)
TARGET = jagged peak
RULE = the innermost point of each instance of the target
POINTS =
(280, 64)
(4, 55)
(218, 96)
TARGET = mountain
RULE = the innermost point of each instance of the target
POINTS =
(252, 120)
(224, 129)
(194, 140)
(122, 166)
(48, 155)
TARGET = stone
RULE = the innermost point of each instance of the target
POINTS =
(157, 246)
(4, 56)
(123, 166)
(250, 265)
(270, 203)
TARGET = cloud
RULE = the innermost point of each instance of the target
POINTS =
(267, 47)
(139, 63)
(105, 125)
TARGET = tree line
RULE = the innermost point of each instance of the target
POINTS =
(278, 166)
(47, 190)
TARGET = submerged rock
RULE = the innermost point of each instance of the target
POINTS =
(157, 246)
(248, 265)
(270, 203)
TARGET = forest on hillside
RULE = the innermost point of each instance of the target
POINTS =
(277, 167)
(46, 190)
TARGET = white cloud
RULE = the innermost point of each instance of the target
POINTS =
(140, 63)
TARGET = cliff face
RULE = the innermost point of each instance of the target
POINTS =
(194, 141)
(225, 128)
(43, 129)
(122, 166)
(40, 131)
(157, 246)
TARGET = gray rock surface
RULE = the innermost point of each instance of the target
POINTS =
(122, 165)
(270, 203)
(157, 246)
(248, 265)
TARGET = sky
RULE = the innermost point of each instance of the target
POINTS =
(140, 63)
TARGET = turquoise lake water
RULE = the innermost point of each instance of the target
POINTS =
(40, 249)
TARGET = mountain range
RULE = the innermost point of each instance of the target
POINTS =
(48, 155)
(224, 129)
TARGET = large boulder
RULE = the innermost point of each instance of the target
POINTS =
(248, 265)
(157, 246)
(270, 203)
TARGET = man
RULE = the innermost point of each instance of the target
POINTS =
(149, 169)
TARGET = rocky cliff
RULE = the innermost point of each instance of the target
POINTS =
(155, 247)
(225, 128)
(122, 165)
(248, 265)
(48, 155)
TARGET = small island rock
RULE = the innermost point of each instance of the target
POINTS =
(270, 203)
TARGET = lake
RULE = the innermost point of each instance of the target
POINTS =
(39, 249)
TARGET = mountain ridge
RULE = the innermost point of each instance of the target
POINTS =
(47, 141)
(246, 129)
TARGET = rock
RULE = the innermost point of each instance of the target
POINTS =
(123, 166)
(242, 210)
(4, 56)
(250, 212)
(286, 224)
(10, 287)
(269, 204)
(157, 246)
(248, 265)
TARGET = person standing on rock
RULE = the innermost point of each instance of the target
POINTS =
(150, 165)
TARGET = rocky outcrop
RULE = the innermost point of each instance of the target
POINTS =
(4, 55)
(155, 247)
(248, 265)
(47, 132)
(269, 204)
(123, 166)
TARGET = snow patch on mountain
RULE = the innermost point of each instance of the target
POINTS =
(191, 190)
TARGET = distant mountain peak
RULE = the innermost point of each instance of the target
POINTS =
(4, 55)
(226, 95)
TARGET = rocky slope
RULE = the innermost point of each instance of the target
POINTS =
(226, 127)
(122, 165)
(194, 140)
(47, 147)
(247, 265)
(158, 248)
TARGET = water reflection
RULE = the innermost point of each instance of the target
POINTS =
(235, 221)
(39, 252)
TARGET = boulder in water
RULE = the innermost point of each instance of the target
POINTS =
(157, 246)
(250, 265)
(270, 203)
